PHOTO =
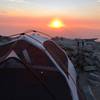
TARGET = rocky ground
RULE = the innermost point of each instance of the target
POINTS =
(85, 57)
(90, 84)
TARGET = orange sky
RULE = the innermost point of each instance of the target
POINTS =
(73, 27)
(80, 17)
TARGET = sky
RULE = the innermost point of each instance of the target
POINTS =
(81, 18)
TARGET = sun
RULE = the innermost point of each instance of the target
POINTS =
(56, 23)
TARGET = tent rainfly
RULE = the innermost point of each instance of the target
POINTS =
(35, 67)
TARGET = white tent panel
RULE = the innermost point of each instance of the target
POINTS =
(12, 54)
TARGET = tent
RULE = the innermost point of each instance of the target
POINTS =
(33, 67)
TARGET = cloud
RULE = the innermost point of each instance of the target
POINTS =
(3, 12)
(98, 1)
(18, 1)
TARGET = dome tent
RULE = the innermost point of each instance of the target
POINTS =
(36, 67)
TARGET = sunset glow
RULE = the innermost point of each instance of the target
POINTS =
(68, 18)
(56, 23)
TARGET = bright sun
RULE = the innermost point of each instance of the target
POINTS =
(56, 23)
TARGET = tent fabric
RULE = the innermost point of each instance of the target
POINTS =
(17, 83)
(57, 55)
(64, 62)
(32, 51)
(43, 54)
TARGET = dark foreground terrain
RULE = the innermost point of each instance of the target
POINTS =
(90, 83)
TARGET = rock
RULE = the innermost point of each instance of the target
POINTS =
(94, 76)
(90, 68)
(94, 83)
(88, 93)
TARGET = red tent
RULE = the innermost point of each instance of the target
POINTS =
(36, 67)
